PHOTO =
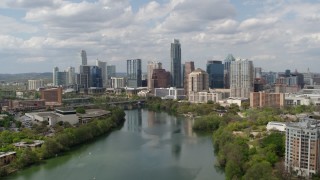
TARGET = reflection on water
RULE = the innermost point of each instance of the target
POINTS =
(151, 145)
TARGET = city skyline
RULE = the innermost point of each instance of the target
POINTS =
(275, 35)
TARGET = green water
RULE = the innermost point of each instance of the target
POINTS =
(150, 145)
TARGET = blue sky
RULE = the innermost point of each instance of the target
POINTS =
(37, 35)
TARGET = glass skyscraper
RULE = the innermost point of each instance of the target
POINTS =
(215, 69)
(84, 57)
(176, 63)
(134, 73)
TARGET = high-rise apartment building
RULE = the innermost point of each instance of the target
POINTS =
(175, 55)
(215, 69)
(103, 66)
(241, 78)
(227, 64)
(302, 147)
(84, 77)
(84, 60)
(198, 81)
(262, 99)
(95, 77)
(71, 76)
(188, 68)
(134, 73)
(150, 67)
(35, 84)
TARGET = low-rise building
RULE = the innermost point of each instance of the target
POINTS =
(52, 96)
(7, 158)
(276, 126)
(170, 93)
(92, 114)
(204, 97)
(33, 145)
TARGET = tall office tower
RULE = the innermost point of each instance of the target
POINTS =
(188, 68)
(111, 72)
(134, 74)
(71, 76)
(175, 63)
(84, 58)
(95, 77)
(103, 66)
(151, 66)
(198, 81)
(35, 84)
(302, 147)
(215, 69)
(61, 78)
(84, 78)
(241, 78)
(55, 74)
(227, 63)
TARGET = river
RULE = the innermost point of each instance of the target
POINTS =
(150, 145)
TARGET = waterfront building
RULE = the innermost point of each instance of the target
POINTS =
(35, 84)
(188, 68)
(134, 73)
(205, 97)
(198, 81)
(241, 78)
(302, 147)
(170, 93)
(175, 55)
(215, 70)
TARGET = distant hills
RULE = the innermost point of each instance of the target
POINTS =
(23, 77)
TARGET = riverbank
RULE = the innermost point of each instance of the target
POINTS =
(61, 142)
(244, 148)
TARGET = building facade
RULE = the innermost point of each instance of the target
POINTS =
(84, 60)
(170, 93)
(215, 70)
(188, 68)
(302, 147)
(52, 96)
(204, 97)
(175, 55)
(150, 67)
(263, 99)
(198, 81)
(134, 73)
(103, 66)
(241, 78)
(117, 82)
(227, 64)
(35, 84)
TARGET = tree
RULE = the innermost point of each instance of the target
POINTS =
(80, 110)
(261, 170)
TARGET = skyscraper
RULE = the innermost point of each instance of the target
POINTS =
(111, 72)
(151, 66)
(188, 68)
(103, 66)
(71, 76)
(95, 76)
(215, 69)
(134, 73)
(241, 78)
(227, 63)
(176, 63)
(84, 57)
(55, 74)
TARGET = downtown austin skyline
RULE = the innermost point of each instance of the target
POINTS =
(275, 35)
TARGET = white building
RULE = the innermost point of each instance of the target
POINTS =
(204, 97)
(278, 126)
(170, 93)
(35, 84)
(241, 78)
(71, 76)
(117, 82)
